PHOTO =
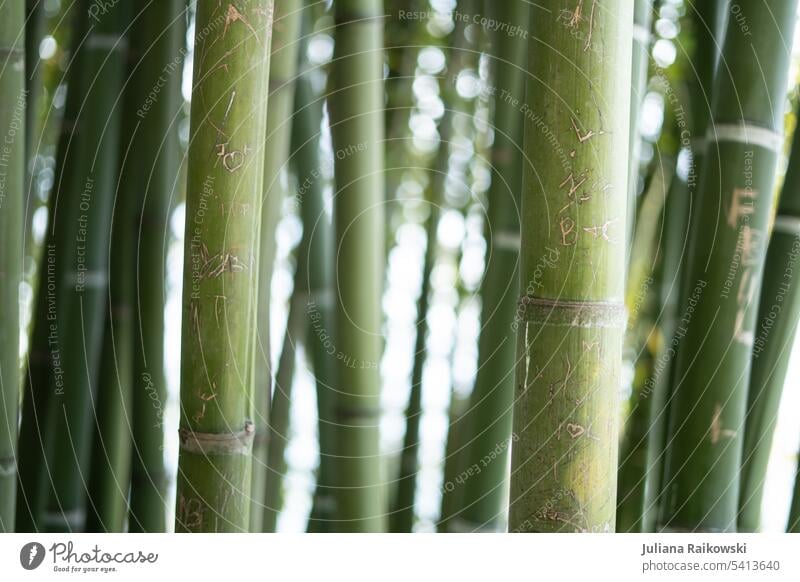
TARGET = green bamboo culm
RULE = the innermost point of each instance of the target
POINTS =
(223, 210)
(640, 346)
(319, 305)
(726, 258)
(81, 297)
(304, 135)
(564, 463)
(401, 518)
(157, 53)
(44, 379)
(35, 29)
(357, 127)
(282, 73)
(467, 46)
(109, 474)
(794, 510)
(776, 327)
(642, 22)
(280, 410)
(12, 196)
(402, 48)
(488, 431)
(708, 20)
(455, 460)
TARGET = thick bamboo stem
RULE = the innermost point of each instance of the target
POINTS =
(564, 465)
(223, 209)
(726, 259)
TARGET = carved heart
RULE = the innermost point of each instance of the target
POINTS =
(575, 430)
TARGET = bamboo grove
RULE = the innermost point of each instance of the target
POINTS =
(398, 265)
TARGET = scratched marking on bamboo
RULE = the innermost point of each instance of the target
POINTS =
(586, 136)
(234, 15)
(717, 431)
(601, 231)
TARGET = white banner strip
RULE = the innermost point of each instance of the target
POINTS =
(390, 558)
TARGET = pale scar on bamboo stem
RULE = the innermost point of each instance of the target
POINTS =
(748, 247)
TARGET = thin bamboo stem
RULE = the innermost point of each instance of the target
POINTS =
(45, 358)
(778, 314)
(157, 57)
(83, 252)
(356, 104)
(12, 197)
(488, 432)
(279, 418)
(794, 510)
(319, 305)
(708, 21)
(282, 76)
(642, 23)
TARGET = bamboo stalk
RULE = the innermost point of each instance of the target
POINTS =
(109, 474)
(157, 57)
(83, 283)
(401, 518)
(356, 111)
(564, 464)
(727, 251)
(488, 431)
(279, 418)
(794, 510)
(642, 23)
(778, 314)
(402, 50)
(312, 276)
(283, 70)
(35, 26)
(225, 179)
(319, 305)
(45, 361)
(641, 340)
(455, 455)
(708, 21)
(12, 180)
